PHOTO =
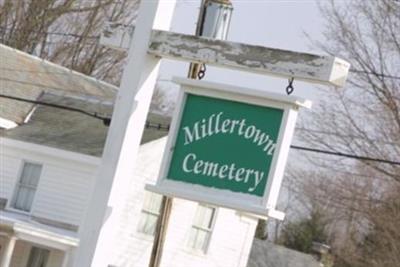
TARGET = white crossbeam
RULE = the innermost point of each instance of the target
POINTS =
(244, 57)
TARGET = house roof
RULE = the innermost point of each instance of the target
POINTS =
(25, 76)
(267, 254)
(27, 229)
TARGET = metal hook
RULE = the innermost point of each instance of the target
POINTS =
(290, 88)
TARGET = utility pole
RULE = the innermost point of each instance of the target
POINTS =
(195, 67)
(213, 21)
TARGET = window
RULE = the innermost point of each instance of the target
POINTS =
(38, 257)
(26, 186)
(201, 230)
(150, 213)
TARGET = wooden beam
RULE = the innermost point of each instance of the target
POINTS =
(238, 56)
(250, 58)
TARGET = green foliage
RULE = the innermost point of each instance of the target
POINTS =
(300, 235)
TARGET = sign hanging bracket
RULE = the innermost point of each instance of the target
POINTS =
(290, 88)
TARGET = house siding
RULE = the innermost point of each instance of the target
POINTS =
(231, 237)
(63, 194)
(64, 186)
(230, 241)
(132, 247)
(10, 166)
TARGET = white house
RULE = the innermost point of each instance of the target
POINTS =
(48, 162)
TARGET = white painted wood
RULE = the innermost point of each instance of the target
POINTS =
(8, 252)
(131, 108)
(243, 91)
(40, 151)
(257, 59)
(237, 56)
(279, 161)
(229, 239)
(21, 255)
(62, 193)
(8, 175)
(65, 258)
(248, 241)
(263, 206)
(198, 194)
(133, 248)
(28, 233)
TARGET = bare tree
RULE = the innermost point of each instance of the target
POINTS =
(364, 117)
(67, 32)
(360, 196)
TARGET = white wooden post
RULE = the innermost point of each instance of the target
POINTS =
(65, 258)
(123, 140)
(8, 252)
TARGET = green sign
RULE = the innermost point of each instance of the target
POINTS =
(225, 144)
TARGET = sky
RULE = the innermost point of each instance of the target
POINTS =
(271, 23)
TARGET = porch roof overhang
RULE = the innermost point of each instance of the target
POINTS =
(22, 227)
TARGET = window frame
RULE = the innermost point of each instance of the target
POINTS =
(208, 230)
(144, 211)
(12, 200)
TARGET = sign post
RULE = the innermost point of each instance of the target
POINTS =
(228, 146)
(148, 42)
(98, 229)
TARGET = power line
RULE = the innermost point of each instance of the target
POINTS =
(322, 132)
(97, 37)
(340, 154)
(158, 126)
(66, 34)
(375, 73)
(105, 120)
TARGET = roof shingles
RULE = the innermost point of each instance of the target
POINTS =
(25, 76)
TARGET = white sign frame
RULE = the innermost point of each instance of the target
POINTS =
(263, 206)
